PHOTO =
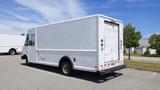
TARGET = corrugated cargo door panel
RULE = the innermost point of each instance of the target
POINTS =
(111, 38)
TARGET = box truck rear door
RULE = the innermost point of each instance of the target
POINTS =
(111, 40)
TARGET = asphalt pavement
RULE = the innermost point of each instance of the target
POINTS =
(15, 75)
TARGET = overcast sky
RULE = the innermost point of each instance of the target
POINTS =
(17, 15)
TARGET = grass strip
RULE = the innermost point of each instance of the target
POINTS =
(149, 66)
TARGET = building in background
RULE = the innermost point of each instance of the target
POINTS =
(144, 44)
(142, 48)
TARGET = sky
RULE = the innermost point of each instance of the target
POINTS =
(16, 16)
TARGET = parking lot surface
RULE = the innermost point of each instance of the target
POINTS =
(15, 75)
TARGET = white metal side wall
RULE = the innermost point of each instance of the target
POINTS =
(11, 41)
(76, 39)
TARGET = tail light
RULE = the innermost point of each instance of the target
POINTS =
(121, 44)
(102, 44)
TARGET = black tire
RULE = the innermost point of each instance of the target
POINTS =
(12, 52)
(27, 63)
(66, 68)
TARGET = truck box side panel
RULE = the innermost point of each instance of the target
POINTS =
(121, 41)
(80, 34)
(76, 39)
(84, 60)
(11, 41)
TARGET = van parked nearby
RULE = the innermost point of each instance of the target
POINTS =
(11, 44)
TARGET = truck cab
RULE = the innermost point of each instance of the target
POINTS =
(29, 49)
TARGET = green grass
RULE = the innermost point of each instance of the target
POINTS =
(133, 55)
(143, 65)
(140, 55)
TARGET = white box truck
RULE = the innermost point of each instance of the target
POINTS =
(11, 44)
(93, 43)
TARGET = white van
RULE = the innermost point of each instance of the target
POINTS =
(11, 44)
(93, 43)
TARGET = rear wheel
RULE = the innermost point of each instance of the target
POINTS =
(12, 52)
(27, 63)
(66, 68)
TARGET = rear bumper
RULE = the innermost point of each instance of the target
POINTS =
(112, 69)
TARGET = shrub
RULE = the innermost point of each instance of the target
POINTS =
(134, 52)
(154, 55)
(158, 51)
(147, 52)
(124, 51)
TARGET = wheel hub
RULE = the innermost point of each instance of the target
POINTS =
(66, 69)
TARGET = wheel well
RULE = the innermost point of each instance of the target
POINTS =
(65, 59)
(12, 49)
(24, 57)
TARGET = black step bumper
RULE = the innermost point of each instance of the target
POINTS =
(112, 69)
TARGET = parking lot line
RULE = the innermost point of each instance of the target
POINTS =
(152, 75)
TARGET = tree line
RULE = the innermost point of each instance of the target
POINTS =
(132, 36)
